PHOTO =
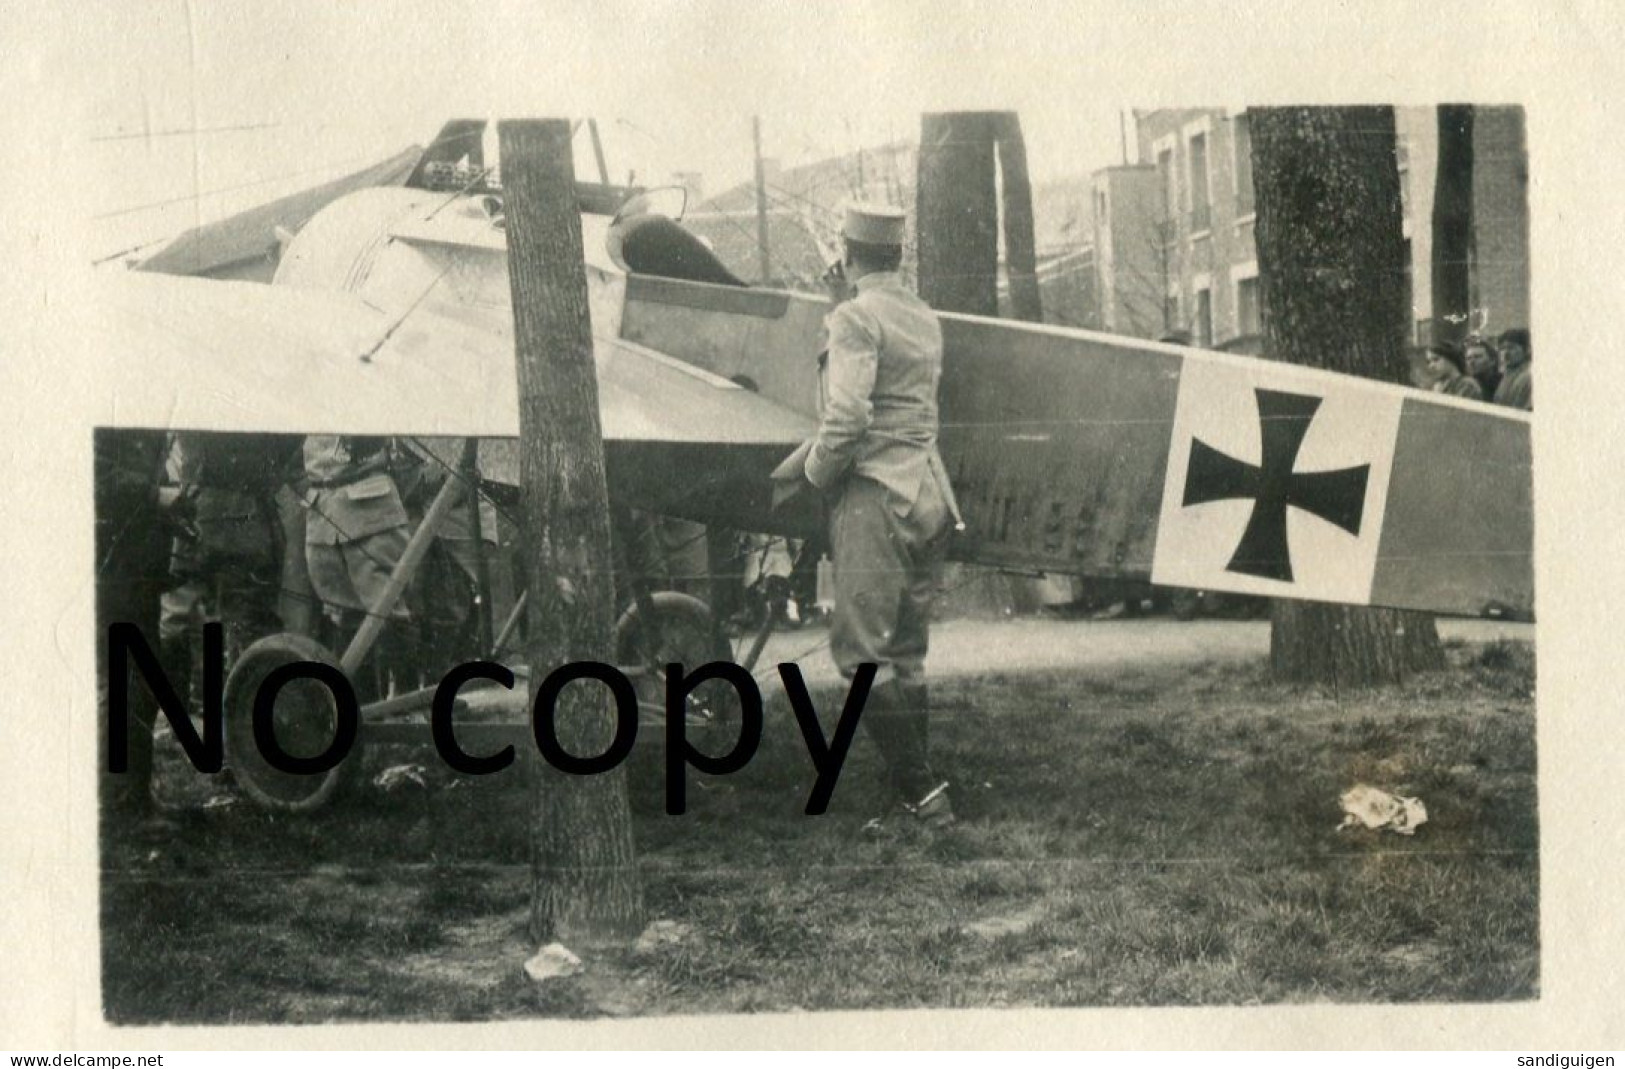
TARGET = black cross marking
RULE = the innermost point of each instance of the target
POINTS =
(1338, 497)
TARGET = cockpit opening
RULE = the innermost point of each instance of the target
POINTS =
(649, 244)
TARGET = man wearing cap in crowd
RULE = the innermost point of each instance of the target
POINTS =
(1515, 388)
(891, 507)
(1482, 363)
(1445, 364)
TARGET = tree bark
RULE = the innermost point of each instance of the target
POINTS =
(1330, 268)
(585, 889)
(1453, 224)
(957, 211)
(957, 234)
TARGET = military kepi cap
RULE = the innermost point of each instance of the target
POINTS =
(874, 224)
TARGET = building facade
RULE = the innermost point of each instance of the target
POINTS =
(1200, 162)
(1180, 225)
(1133, 263)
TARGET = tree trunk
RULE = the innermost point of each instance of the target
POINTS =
(957, 212)
(957, 235)
(584, 882)
(1330, 269)
(1453, 224)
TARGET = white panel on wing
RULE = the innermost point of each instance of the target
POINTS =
(1277, 480)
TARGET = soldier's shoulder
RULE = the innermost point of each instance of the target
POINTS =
(861, 312)
(901, 297)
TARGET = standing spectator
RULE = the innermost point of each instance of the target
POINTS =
(1514, 390)
(355, 535)
(132, 558)
(875, 456)
(1445, 364)
(233, 481)
(1483, 364)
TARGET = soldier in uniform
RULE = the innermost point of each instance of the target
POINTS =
(355, 533)
(233, 482)
(891, 507)
(132, 549)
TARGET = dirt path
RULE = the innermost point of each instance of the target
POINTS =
(977, 647)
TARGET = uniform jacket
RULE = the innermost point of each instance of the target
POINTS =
(878, 394)
(236, 478)
(352, 496)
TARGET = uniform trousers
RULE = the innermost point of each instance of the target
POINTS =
(886, 571)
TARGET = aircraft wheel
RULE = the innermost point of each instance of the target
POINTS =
(305, 718)
(684, 632)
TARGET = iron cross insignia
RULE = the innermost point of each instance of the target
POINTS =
(1338, 497)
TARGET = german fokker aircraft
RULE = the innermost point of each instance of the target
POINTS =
(1071, 452)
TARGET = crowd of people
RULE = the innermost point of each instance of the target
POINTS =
(1480, 369)
(270, 533)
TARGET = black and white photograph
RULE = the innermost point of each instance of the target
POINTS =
(811, 520)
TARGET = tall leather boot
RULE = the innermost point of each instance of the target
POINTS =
(915, 731)
(175, 657)
(896, 720)
(400, 656)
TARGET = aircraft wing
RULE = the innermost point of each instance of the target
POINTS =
(197, 354)
(208, 355)
(1082, 453)
(1071, 452)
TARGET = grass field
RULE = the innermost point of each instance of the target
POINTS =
(1151, 838)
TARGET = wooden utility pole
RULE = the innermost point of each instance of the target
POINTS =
(598, 151)
(764, 267)
(1331, 278)
(1453, 224)
(585, 889)
(1020, 256)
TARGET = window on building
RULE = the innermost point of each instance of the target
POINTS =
(1247, 322)
(1202, 327)
(1100, 207)
(1170, 312)
(1244, 166)
(1201, 214)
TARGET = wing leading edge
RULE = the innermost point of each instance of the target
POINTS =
(209, 355)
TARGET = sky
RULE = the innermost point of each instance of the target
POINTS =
(188, 110)
(240, 98)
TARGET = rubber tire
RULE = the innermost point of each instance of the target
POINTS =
(268, 787)
(699, 639)
(690, 635)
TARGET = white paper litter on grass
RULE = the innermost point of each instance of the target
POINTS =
(1367, 806)
(551, 962)
(395, 777)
